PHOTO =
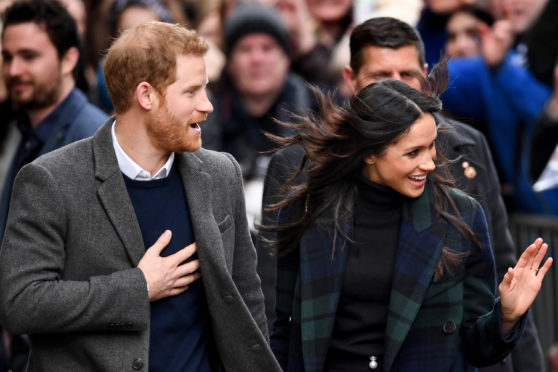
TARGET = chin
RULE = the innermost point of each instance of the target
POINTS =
(415, 194)
(191, 147)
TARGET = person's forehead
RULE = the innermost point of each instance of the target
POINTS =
(257, 38)
(27, 33)
(461, 20)
(406, 57)
(190, 69)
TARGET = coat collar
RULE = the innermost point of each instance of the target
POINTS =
(453, 138)
(419, 248)
(459, 143)
(60, 120)
(420, 245)
(198, 190)
(113, 195)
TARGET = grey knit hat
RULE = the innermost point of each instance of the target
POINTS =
(251, 18)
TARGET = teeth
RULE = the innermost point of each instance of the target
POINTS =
(418, 178)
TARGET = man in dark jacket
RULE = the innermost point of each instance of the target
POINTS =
(383, 48)
(40, 52)
(256, 88)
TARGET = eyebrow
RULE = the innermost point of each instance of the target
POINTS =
(420, 147)
(197, 86)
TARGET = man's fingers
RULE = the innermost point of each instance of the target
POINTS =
(183, 254)
(177, 291)
(187, 268)
(161, 243)
(186, 280)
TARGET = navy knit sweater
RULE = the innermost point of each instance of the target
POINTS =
(179, 323)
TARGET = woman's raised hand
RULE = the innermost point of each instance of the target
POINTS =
(521, 284)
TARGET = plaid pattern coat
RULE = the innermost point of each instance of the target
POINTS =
(452, 324)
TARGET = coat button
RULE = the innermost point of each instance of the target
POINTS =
(449, 327)
(137, 364)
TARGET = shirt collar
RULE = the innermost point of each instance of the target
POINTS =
(131, 169)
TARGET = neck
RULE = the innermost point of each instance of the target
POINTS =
(36, 115)
(134, 140)
(259, 104)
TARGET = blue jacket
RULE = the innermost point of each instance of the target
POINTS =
(449, 325)
(74, 119)
(509, 100)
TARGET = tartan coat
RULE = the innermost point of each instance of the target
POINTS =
(452, 324)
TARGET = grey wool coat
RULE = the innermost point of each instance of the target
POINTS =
(68, 275)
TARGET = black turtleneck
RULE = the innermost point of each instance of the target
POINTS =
(360, 321)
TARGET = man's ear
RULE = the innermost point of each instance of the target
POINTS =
(70, 60)
(146, 95)
(370, 160)
(350, 78)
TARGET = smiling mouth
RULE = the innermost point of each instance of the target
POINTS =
(195, 125)
(418, 178)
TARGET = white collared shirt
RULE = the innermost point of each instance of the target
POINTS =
(131, 169)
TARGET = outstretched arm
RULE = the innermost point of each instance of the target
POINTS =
(522, 283)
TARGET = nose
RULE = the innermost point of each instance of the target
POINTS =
(13, 67)
(462, 45)
(204, 104)
(428, 165)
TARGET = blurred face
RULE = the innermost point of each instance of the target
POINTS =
(77, 10)
(522, 13)
(386, 63)
(4, 4)
(135, 15)
(31, 66)
(463, 37)
(173, 125)
(447, 6)
(404, 166)
(210, 28)
(258, 65)
(329, 10)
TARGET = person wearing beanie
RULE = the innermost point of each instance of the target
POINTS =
(253, 18)
(256, 86)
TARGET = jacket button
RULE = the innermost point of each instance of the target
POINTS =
(449, 327)
(137, 364)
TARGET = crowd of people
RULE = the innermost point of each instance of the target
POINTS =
(256, 172)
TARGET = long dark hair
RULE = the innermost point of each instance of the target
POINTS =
(335, 145)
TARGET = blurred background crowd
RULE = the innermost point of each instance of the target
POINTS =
(502, 71)
(503, 75)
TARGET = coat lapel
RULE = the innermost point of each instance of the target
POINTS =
(321, 283)
(197, 187)
(114, 196)
(418, 252)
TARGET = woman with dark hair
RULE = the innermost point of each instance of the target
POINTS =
(383, 265)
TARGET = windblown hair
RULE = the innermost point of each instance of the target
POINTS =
(147, 52)
(337, 142)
